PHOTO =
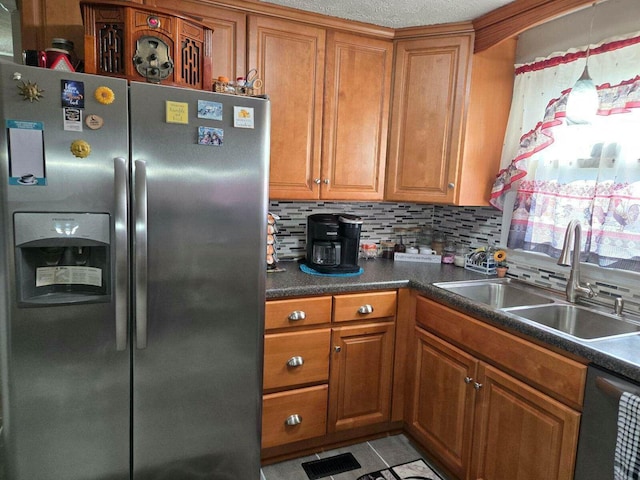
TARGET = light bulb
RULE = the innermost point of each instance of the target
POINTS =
(582, 104)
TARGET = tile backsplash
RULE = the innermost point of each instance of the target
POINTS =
(471, 226)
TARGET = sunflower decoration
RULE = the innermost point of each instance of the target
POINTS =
(104, 95)
(500, 257)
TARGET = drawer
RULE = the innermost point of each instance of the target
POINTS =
(298, 312)
(351, 307)
(283, 352)
(548, 371)
(310, 406)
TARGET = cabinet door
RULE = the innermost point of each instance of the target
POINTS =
(229, 35)
(429, 97)
(290, 60)
(361, 373)
(521, 433)
(356, 111)
(442, 404)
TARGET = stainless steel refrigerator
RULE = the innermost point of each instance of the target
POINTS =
(132, 278)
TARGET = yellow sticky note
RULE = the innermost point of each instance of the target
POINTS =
(177, 112)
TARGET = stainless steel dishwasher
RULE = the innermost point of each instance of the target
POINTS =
(599, 424)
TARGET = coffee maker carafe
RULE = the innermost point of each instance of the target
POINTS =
(333, 242)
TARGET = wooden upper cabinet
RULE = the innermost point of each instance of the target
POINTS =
(290, 59)
(356, 111)
(429, 96)
(229, 35)
(450, 111)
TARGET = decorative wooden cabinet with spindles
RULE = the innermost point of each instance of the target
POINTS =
(145, 43)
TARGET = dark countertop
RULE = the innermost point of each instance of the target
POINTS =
(620, 355)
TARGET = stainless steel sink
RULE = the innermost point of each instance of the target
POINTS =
(496, 293)
(580, 322)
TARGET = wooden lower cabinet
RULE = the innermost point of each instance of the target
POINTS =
(442, 406)
(361, 375)
(521, 433)
(328, 370)
(477, 420)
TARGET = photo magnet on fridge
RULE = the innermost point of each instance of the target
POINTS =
(209, 110)
(210, 136)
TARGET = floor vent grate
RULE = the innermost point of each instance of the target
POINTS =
(326, 467)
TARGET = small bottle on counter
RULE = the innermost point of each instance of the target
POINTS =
(460, 257)
(437, 244)
(449, 252)
(400, 247)
(386, 250)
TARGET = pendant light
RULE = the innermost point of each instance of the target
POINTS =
(582, 104)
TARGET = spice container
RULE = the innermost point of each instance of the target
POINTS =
(437, 244)
(449, 252)
(386, 250)
(459, 258)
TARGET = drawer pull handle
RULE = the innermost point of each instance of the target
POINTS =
(297, 315)
(292, 420)
(364, 309)
(296, 361)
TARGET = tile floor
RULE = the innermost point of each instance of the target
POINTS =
(373, 455)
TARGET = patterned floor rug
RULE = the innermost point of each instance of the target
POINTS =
(415, 470)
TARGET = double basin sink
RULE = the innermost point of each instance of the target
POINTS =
(536, 304)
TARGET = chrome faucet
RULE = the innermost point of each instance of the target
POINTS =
(575, 289)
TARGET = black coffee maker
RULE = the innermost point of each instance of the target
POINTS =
(333, 242)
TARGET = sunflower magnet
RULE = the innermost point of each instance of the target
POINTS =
(104, 95)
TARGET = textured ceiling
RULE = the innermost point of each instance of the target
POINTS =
(398, 13)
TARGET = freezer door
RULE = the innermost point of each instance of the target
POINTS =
(199, 208)
(65, 376)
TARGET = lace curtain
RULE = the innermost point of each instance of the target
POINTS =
(555, 171)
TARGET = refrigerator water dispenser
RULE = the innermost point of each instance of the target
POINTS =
(62, 258)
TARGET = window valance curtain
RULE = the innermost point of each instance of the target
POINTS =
(560, 172)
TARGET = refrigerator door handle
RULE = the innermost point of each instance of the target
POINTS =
(141, 252)
(121, 268)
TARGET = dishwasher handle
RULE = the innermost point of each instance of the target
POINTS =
(612, 388)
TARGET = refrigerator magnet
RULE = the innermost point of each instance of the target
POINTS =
(243, 117)
(94, 122)
(80, 148)
(72, 93)
(72, 119)
(177, 112)
(210, 136)
(209, 110)
(26, 153)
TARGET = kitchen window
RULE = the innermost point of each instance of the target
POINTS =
(556, 171)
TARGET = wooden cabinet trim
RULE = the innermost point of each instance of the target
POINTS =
(548, 371)
(518, 16)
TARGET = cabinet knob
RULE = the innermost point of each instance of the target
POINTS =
(477, 385)
(317, 181)
(292, 420)
(297, 315)
(468, 379)
(451, 185)
(364, 309)
(337, 348)
(326, 181)
(296, 361)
